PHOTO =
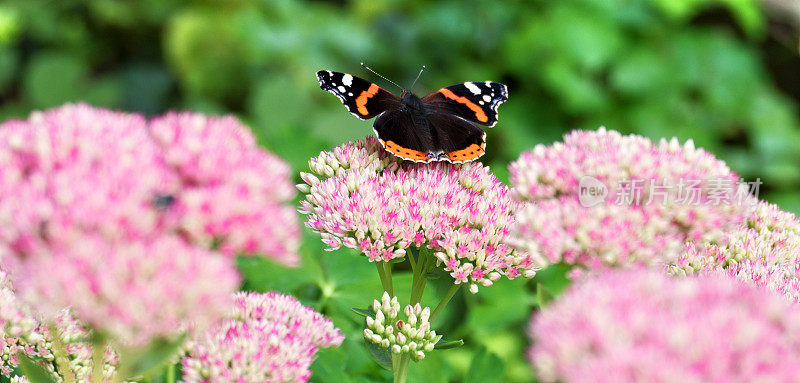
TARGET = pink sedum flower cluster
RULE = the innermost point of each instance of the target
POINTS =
(764, 253)
(126, 221)
(363, 198)
(233, 193)
(269, 338)
(649, 199)
(22, 332)
(638, 325)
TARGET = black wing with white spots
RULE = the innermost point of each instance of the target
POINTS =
(362, 98)
(473, 101)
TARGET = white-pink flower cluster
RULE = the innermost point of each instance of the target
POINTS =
(412, 337)
(22, 332)
(361, 197)
(234, 194)
(638, 325)
(127, 221)
(766, 252)
(269, 338)
(604, 199)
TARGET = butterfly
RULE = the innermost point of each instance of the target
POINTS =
(438, 127)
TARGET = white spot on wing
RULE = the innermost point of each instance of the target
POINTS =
(342, 89)
(486, 98)
(472, 88)
(488, 83)
(347, 79)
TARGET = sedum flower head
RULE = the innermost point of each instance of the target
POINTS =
(644, 326)
(766, 252)
(134, 291)
(413, 336)
(360, 197)
(649, 198)
(234, 194)
(127, 221)
(268, 338)
(22, 332)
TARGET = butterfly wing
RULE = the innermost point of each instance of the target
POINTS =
(473, 101)
(442, 137)
(457, 140)
(399, 135)
(362, 98)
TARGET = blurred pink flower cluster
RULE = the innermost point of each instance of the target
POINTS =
(765, 252)
(268, 338)
(638, 325)
(361, 197)
(126, 220)
(642, 209)
(23, 333)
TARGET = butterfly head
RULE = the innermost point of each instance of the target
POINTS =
(410, 100)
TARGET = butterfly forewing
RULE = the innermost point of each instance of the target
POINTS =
(474, 101)
(362, 98)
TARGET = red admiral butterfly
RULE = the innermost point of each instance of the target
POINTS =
(437, 127)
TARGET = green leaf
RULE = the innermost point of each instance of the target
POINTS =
(543, 297)
(380, 355)
(554, 278)
(446, 344)
(53, 78)
(149, 361)
(485, 367)
(432, 369)
(433, 275)
(369, 312)
(34, 371)
(9, 64)
(327, 368)
(504, 304)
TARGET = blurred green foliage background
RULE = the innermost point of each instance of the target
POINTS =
(725, 73)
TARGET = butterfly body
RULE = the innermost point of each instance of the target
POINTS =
(438, 127)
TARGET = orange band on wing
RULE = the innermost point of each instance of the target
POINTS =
(405, 153)
(479, 113)
(470, 153)
(361, 101)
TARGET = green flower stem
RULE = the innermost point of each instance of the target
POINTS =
(60, 355)
(395, 365)
(419, 280)
(412, 258)
(387, 266)
(385, 273)
(98, 356)
(449, 295)
(171, 375)
(401, 373)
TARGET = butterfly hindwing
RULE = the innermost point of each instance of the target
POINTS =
(457, 140)
(362, 98)
(444, 137)
(398, 134)
(474, 101)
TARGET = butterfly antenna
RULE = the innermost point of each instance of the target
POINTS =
(415, 80)
(395, 84)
